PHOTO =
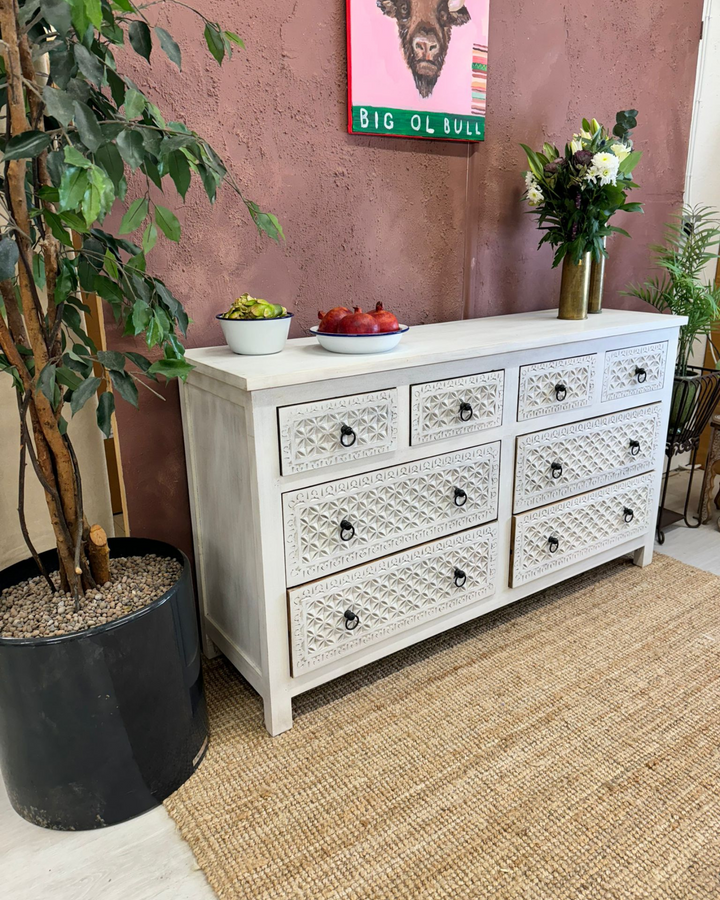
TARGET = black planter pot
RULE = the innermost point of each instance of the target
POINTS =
(103, 725)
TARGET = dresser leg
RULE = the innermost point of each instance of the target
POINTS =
(278, 714)
(209, 648)
(644, 556)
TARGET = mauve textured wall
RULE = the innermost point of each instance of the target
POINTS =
(430, 227)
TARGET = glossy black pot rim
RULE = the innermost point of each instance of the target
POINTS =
(116, 623)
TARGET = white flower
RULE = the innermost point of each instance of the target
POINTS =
(576, 143)
(534, 195)
(604, 168)
(530, 180)
(620, 150)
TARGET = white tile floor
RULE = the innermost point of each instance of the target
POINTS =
(146, 859)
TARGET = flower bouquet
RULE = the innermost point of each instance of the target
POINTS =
(574, 196)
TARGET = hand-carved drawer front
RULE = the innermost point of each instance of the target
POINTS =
(556, 386)
(444, 409)
(332, 618)
(336, 431)
(634, 370)
(343, 523)
(555, 536)
(575, 458)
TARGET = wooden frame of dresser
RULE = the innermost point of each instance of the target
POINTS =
(231, 439)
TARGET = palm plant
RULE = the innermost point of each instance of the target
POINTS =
(692, 241)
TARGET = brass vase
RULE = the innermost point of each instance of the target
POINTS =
(597, 283)
(575, 288)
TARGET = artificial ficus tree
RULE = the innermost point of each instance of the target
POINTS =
(75, 130)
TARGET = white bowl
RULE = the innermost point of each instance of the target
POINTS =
(256, 337)
(359, 343)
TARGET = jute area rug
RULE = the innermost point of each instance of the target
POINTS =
(563, 748)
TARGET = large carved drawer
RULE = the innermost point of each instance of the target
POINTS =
(336, 431)
(455, 406)
(553, 537)
(556, 386)
(337, 616)
(343, 523)
(634, 370)
(572, 459)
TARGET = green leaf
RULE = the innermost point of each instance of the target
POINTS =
(46, 382)
(130, 145)
(125, 386)
(99, 196)
(179, 170)
(55, 166)
(171, 49)
(108, 290)
(38, 270)
(117, 87)
(630, 161)
(72, 187)
(135, 103)
(214, 41)
(68, 378)
(140, 361)
(167, 222)
(135, 215)
(74, 158)
(87, 126)
(57, 12)
(235, 39)
(93, 10)
(173, 305)
(89, 64)
(74, 221)
(26, 145)
(105, 409)
(125, 5)
(149, 238)
(84, 392)
(59, 105)
(111, 359)
(171, 368)
(8, 258)
(109, 158)
(140, 38)
(56, 226)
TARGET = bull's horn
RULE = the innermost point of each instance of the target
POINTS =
(455, 5)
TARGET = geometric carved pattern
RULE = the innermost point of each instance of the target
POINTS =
(310, 432)
(591, 453)
(436, 406)
(537, 386)
(389, 510)
(620, 378)
(388, 596)
(582, 527)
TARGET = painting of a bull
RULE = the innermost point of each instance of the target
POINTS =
(425, 28)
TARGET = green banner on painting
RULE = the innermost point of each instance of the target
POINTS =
(413, 123)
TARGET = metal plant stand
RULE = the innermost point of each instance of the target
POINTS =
(693, 404)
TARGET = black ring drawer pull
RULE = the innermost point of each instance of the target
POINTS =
(560, 392)
(466, 412)
(347, 530)
(460, 497)
(556, 469)
(553, 544)
(628, 514)
(635, 448)
(459, 578)
(347, 436)
(352, 620)
(640, 374)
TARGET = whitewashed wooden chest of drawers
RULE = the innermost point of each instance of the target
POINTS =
(345, 507)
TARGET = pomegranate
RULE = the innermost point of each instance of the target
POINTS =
(385, 319)
(358, 322)
(329, 320)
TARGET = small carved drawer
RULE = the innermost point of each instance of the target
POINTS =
(634, 370)
(338, 616)
(571, 459)
(336, 431)
(444, 409)
(556, 536)
(333, 526)
(554, 387)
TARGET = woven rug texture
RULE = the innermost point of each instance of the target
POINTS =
(564, 748)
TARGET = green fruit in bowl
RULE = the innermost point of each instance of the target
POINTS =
(247, 307)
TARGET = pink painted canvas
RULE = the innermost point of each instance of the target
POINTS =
(418, 68)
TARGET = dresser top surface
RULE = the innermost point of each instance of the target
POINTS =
(303, 360)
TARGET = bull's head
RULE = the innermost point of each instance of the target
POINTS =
(425, 27)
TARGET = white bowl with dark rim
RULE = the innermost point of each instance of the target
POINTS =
(359, 343)
(256, 337)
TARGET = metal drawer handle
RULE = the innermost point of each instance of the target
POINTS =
(553, 544)
(347, 436)
(466, 412)
(459, 578)
(560, 392)
(628, 514)
(347, 530)
(556, 469)
(352, 620)
(635, 448)
(640, 374)
(460, 497)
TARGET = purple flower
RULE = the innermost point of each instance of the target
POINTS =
(583, 157)
(554, 166)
